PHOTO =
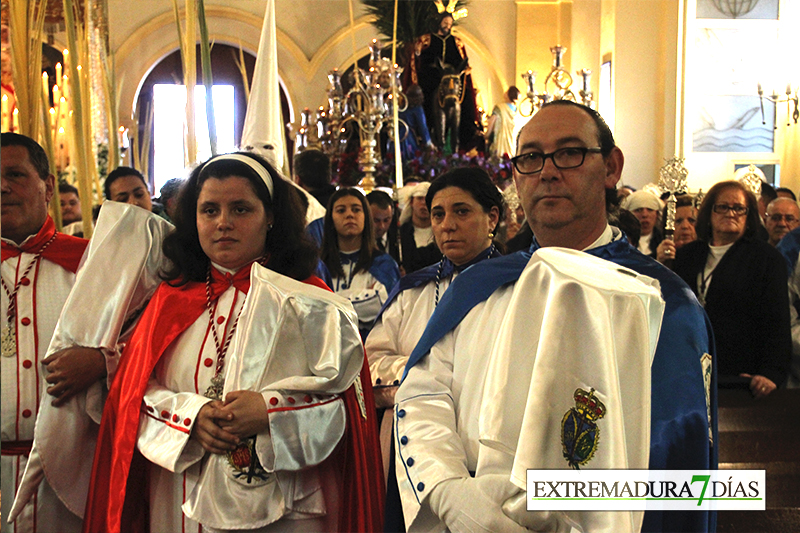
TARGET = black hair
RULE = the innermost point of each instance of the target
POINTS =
(289, 250)
(512, 93)
(768, 192)
(120, 172)
(36, 153)
(788, 191)
(65, 188)
(703, 227)
(476, 182)
(330, 238)
(628, 223)
(171, 188)
(313, 168)
(381, 199)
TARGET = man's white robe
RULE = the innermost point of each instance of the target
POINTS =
(490, 396)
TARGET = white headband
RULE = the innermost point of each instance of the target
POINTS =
(250, 162)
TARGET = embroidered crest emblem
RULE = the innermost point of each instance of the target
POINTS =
(579, 433)
(245, 464)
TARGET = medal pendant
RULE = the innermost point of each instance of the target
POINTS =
(214, 391)
(9, 341)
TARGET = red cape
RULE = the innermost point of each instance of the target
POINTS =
(117, 501)
(65, 251)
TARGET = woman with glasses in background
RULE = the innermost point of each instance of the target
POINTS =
(742, 283)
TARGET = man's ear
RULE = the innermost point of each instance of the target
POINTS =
(614, 163)
(49, 187)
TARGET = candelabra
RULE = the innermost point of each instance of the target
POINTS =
(369, 104)
(557, 85)
(775, 99)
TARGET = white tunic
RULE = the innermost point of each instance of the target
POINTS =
(489, 396)
(364, 291)
(103, 300)
(398, 330)
(39, 303)
(300, 387)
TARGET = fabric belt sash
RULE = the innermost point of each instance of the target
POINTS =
(16, 447)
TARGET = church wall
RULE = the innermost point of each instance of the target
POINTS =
(503, 38)
(644, 61)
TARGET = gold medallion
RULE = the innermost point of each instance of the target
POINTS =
(9, 341)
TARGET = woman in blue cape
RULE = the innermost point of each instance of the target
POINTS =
(359, 271)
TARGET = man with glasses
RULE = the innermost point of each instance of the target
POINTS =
(457, 442)
(783, 215)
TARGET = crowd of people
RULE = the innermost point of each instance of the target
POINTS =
(263, 353)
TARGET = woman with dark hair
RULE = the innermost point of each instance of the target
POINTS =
(741, 282)
(238, 428)
(465, 208)
(360, 272)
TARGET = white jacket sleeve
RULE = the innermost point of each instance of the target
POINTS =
(165, 427)
(385, 356)
(428, 447)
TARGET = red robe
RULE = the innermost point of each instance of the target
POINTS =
(117, 500)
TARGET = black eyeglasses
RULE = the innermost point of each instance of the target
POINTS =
(563, 158)
(723, 209)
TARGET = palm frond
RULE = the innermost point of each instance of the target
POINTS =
(415, 18)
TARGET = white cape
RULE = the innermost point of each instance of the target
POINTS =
(573, 322)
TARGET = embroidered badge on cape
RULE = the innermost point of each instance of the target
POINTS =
(245, 464)
(579, 433)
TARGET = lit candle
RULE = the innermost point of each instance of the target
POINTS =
(56, 96)
(15, 120)
(58, 73)
(65, 85)
(5, 117)
(46, 85)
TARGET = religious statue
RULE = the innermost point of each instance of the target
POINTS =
(425, 69)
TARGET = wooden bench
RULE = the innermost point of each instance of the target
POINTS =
(762, 435)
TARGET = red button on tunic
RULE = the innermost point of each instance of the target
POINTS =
(208, 361)
(25, 281)
(27, 363)
(273, 401)
(26, 413)
(25, 321)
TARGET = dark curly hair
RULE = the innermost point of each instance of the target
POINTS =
(330, 239)
(289, 250)
(476, 182)
(479, 185)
